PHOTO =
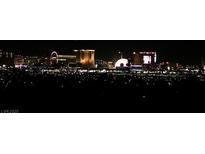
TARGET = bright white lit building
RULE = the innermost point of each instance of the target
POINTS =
(121, 63)
(149, 57)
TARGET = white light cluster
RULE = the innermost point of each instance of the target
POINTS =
(147, 59)
(121, 61)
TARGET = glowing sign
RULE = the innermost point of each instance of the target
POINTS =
(155, 57)
(147, 59)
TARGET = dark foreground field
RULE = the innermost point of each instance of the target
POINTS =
(84, 93)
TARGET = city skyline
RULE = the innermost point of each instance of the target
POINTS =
(185, 52)
(140, 76)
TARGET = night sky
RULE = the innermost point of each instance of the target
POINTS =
(184, 52)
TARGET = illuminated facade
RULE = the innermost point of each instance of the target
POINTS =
(148, 57)
(110, 65)
(121, 63)
(6, 58)
(18, 60)
(144, 58)
(31, 60)
(137, 59)
(87, 57)
(55, 58)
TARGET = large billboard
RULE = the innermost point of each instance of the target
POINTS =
(149, 57)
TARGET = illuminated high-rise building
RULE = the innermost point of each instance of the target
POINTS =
(87, 57)
(149, 57)
(6, 58)
(18, 60)
(137, 59)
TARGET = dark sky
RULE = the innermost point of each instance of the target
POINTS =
(185, 52)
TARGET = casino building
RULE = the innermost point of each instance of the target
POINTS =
(87, 57)
(144, 58)
(138, 59)
(56, 58)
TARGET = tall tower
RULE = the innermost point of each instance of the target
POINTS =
(87, 57)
